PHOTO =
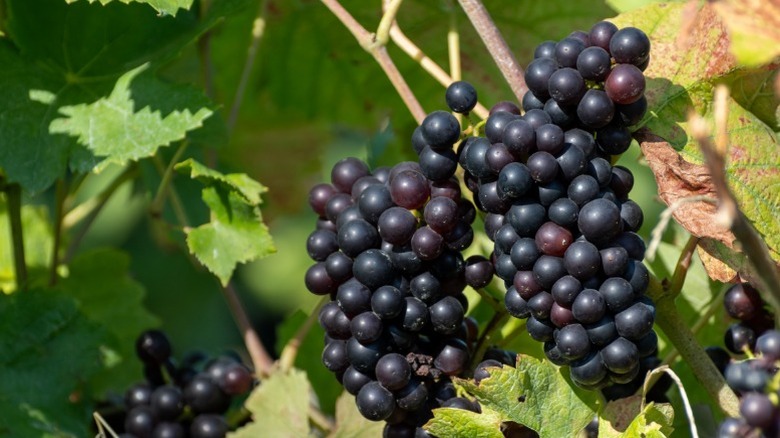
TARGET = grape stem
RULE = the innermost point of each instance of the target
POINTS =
(753, 246)
(290, 350)
(378, 51)
(258, 29)
(496, 45)
(61, 193)
(261, 360)
(680, 335)
(683, 264)
(13, 194)
(430, 66)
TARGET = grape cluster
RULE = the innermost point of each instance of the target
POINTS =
(191, 403)
(754, 380)
(559, 213)
(743, 303)
(387, 251)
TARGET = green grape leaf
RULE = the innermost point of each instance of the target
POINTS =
(754, 30)
(279, 407)
(37, 235)
(451, 422)
(681, 78)
(48, 350)
(59, 55)
(629, 5)
(112, 128)
(528, 394)
(108, 296)
(350, 423)
(236, 233)
(623, 419)
(162, 6)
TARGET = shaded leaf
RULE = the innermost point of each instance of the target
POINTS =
(109, 297)
(350, 423)
(163, 6)
(240, 182)
(622, 418)
(753, 90)
(451, 422)
(279, 407)
(113, 128)
(754, 29)
(529, 393)
(48, 351)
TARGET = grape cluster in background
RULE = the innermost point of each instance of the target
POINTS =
(559, 213)
(190, 402)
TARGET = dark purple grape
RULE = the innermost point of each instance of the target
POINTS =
(481, 371)
(582, 36)
(139, 394)
(567, 50)
(531, 101)
(353, 297)
(362, 184)
(525, 217)
(497, 157)
(334, 356)
(338, 267)
(453, 357)
(589, 370)
(504, 267)
(153, 347)
(540, 305)
(319, 196)
(448, 189)
(493, 222)
(739, 337)
(168, 429)
(426, 243)
(625, 84)
(237, 379)
(519, 137)
(333, 320)
(413, 396)
(613, 139)
(614, 261)
(524, 253)
(620, 356)
(583, 189)
(537, 118)
(491, 200)
(565, 290)
(549, 138)
(203, 395)
(543, 167)
(440, 130)
(564, 212)
(743, 302)
(601, 33)
(572, 341)
(632, 113)
(629, 45)
(140, 421)
(633, 244)
(505, 238)
(632, 216)
(768, 345)
(425, 287)
(733, 428)
(460, 237)
(600, 169)
(540, 329)
(599, 221)
(571, 161)
(515, 304)
(594, 63)
(621, 182)
(565, 117)
(758, 410)
(366, 328)
(318, 281)
(351, 213)
(567, 86)
(514, 180)
(357, 236)
(353, 380)
(397, 225)
(393, 371)
(495, 125)
(583, 139)
(561, 316)
(635, 322)
(545, 50)
(461, 403)
(582, 260)
(374, 200)
(409, 189)
(589, 306)
(648, 345)
(438, 165)
(547, 270)
(526, 284)
(602, 332)
(387, 302)
(617, 293)
(373, 268)
(553, 239)
(461, 97)
(505, 106)
(553, 354)
(537, 75)
(415, 315)
(321, 244)
(441, 214)
(595, 110)
(446, 315)
(346, 172)
(167, 402)
(375, 402)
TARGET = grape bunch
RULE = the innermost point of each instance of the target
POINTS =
(559, 214)
(193, 401)
(743, 303)
(755, 381)
(387, 251)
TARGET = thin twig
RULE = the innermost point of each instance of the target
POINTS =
(61, 193)
(390, 10)
(258, 29)
(379, 52)
(89, 210)
(683, 395)
(156, 208)
(753, 246)
(14, 197)
(496, 45)
(495, 323)
(683, 263)
(290, 350)
(260, 358)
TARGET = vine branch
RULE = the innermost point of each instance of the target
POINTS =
(258, 29)
(261, 360)
(14, 196)
(683, 264)
(59, 208)
(379, 52)
(496, 45)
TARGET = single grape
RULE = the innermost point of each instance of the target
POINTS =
(549, 138)
(567, 50)
(572, 161)
(515, 304)
(630, 45)
(567, 86)
(540, 305)
(599, 221)
(446, 315)
(542, 166)
(632, 113)
(525, 217)
(563, 116)
(514, 180)
(440, 130)
(589, 370)
(635, 322)
(553, 239)
(461, 97)
(203, 395)
(572, 341)
(565, 290)
(617, 293)
(625, 84)
(757, 410)
(739, 337)
(601, 33)
(602, 332)
(595, 109)
(547, 270)
(620, 356)
(140, 421)
(495, 125)
(209, 426)
(167, 429)
(505, 106)
(531, 101)
(583, 189)
(139, 394)
(153, 347)
(357, 236)
(582, 260)
(743, 302)
(366, 327)
(426, 243)
(415, 315)
(540, 329)
(393, 371)
(497, 157)
(768, 345)
(537, 75)
(409, 189)
(438, 165)
(353, 380)
(545, 50)
(536, 118)
(519, 137)
(614, 261)
(594, 63)
(413, 396)
(613, 139)
(167, 402)
(453, 357)
(346, 171)
(589, 306)
(319, 196)
(334, 356)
